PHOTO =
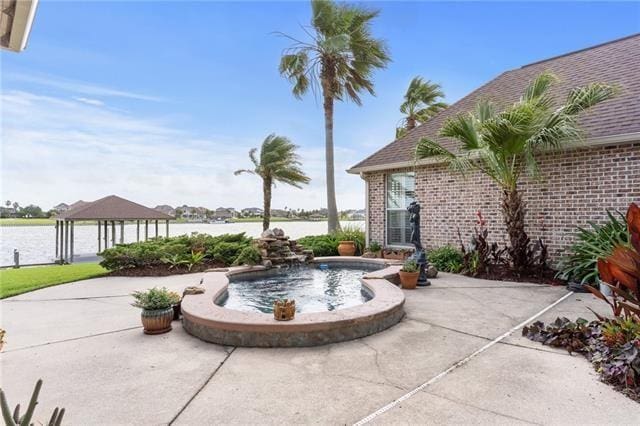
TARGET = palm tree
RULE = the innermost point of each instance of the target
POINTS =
(421, 102)
(340, 58)
(278, 162)
(504, 145)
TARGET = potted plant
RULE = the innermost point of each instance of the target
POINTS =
(375, 249)
(347, 248)
(157, 309)
(396, 254)
(409, 274)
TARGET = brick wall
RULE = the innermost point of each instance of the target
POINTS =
(578, 186)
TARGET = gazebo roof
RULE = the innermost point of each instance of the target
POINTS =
(113, 207)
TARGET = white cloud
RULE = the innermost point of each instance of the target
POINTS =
(61, 150)
(89, 101)
(78, 86)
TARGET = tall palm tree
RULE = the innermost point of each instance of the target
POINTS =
(421, 102)
(339, 58)
(503, 145)
(278, 162)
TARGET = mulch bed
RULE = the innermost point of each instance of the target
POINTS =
(504, 273)
(163, 270)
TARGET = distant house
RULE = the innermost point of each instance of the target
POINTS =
(62, 207)
(357, 215)
(252, 211)
(225, 213)
(192, 213)
(279, 213)
(580, 184)
(166, 209)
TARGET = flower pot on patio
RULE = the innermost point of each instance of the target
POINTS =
(409, 274)
(347, 248)
(157, 321)
(157, 309)
(409, 280)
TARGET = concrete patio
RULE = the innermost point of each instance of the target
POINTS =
(86, 342)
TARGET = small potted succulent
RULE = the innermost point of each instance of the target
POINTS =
(157, 309)
(375, 249)
(409, 274)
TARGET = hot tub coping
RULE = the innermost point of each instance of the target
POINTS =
(210, 322)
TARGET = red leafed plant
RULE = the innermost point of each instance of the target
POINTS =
(621, 271)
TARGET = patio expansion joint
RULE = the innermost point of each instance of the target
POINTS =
(71, 339)
(476, 407)
(204, 385)
(65, 298)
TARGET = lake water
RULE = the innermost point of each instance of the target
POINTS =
(36, 244)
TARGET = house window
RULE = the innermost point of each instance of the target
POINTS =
(400, 193)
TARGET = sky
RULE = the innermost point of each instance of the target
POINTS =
(159, 102)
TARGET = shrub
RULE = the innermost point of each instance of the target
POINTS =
(446, 259)
(597, 241)
(612, 346)
(374, 246)
(227, 252)
(175, 251)
(248, 256)
(322, 245)
(155, 298)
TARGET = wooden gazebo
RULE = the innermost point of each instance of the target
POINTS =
(105, 211)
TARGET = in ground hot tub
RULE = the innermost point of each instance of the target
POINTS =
(352, 298)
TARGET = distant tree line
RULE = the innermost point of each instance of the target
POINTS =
(13, 209)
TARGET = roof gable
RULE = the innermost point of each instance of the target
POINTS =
(113, 207)
(616, 62)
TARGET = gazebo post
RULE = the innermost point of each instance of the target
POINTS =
(99, 237)
(106, 236)
(156, 228)
(122, 232)
(61, 251)
(72, 238)
(66, 240)
(113, 233)
(137, 231)
(146, 230)
(167, 228)
(57, 230)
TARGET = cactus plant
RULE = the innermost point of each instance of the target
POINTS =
(15, 419)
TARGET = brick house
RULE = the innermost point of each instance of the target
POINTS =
(577, 186)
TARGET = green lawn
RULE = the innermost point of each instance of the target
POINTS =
(18, 281)
(26, 222)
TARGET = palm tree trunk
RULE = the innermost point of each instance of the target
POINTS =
(332, 208)
(411, 123)
(514, 211)
(266, 194)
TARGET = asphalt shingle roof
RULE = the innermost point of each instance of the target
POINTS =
(113, 207)
(616, 62)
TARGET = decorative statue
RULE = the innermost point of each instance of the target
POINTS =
(414, 220)
(419, 255)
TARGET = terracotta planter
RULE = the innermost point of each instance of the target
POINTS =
(396, 254)
(347, 248)
(157, 321)
(409, 280)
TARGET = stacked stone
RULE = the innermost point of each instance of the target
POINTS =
(276, 249)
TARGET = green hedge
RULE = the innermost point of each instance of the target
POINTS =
(222, 248)
(327, 244)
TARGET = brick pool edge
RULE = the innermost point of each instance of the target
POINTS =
(206, 320)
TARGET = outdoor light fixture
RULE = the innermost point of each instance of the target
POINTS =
(16, 17)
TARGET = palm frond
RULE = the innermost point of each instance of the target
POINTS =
(539, 86)
(585, 97)
(462, 127)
